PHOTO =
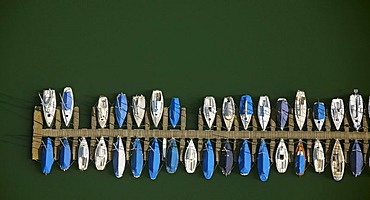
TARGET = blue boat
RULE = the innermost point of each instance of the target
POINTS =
(208, 160)
(172, 161)
(137, 158)
(282, 112)
(120, 108)
(47, 156)
(175, 111)
(319, 114)
(246, 110)
(227, 159)
(154, 159)
(300, 159)
(356, 160)
(245, 159)
(65, 154)
(263, 161)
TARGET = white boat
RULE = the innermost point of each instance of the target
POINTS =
(138, 108)
(119, 157)
(191, 158)
(164, 148)
(228, 112)
(318, 157)
(103, 108)
(156, 106)
(49, 103)
(281, 157)
(209, 110)
(101, 154)
(300, 109)
(264, 111)
(67, 101)
(337, 112)
(356, 109)
(83, 155)
(337, 161)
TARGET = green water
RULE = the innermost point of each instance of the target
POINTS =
(188, 49)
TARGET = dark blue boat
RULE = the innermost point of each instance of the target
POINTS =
(175, 111)
(246, 110)
(227, 159)
(120, 109)
(208, 160)
(65, 154)
(137, 158)
(47, 156)
(172, 161)
(300, 159)
(245, 159)
(282, 112)
(319, 114)
(154, 159)
(356, 159)
(263, 161)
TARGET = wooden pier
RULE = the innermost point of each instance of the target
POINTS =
(217, 134)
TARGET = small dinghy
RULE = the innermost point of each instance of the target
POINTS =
(103, 109)
(264, 111)
(300, 109)
(300, 159)
(83, 155)
(156, 107)
(208, 160)
(356, 160)
(191, 158)
(318, 157)
(65, 154)
(226, 159)
(138, 108)
(101, 154)
(67, 105)
(337, 161)
(119, 157)
(228, 112)
(47, 156)
(154, 159)
(49, 104)
(172, 161)
(121, 108)
(137, 158)
(245, 159)
(337, 112)
(209, 110)
(174, 111)
(246, 110)
(319, 114)
(281, 157)
(356, 109)
(282, 112)
(263, 162)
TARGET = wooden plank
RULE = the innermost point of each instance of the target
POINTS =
(76, 117)
(200, 119)
(183, 118)
(165, 119)
(308, 151)
(129, 118)
(111, 120)
(93, 118)
(218, 120)
(57, 119)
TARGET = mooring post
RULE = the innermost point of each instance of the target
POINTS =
(92, 147)
(254, 149)
(182, 148)
(128, 148)
(291, 120)
(236, 120)
(254, 121)
(272, 147)
(165, 118)
(74, 148)
(200, 147)
(308, 152)
(327, 121)
(76, 117)
(183, 118)
(200, 119)
(93, 118)
(146, 119)
(58, 118)
(218, 120)
(111, 118)
(146, 148)
(56, 148)
(129, 118)
(236, 150)
(291, 150)
(366, 147)
(346, 149)
(309, 120)
(364, 121)
(272, 121)
(218, 150)
(110, 145)
(345, 121)
(327, 152)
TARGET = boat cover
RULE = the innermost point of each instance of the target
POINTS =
(137, 158)
(172, 161)
(65, 154)
(319, 111)
(263, 162)
(245, 159)
(121, 108)
(47, 156)
(243, 99)
(356, 159)
(175, 111)
(300, 163)
(154, 159)
(227, 159)
(208, 160)
(282, 112)
(67, 99)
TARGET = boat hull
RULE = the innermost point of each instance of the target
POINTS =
(337, 112)
(67, 105)
(245, 159)
(101, 154)
(156, 107)
(83, 155)
(47, 156)
(318, 157)
(246, 110)
(300, 159)
(137, 158)
(281, 157)
(103, 109)
(226, 159)
(174, 111)
(282, 112)
(264, 111)
(300, 109)
(119, 158)
(356, 109)
(190, 158)
(172, 161)
(337, 161)
(228, 112)
(319, 114)
(49, 104)
(154, 159)
(65, 154)
(208, 160)
(263, 162)
(121, 108)
(138, 109)
(356, 159)
(209, 110)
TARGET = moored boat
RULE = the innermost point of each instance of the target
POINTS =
(49, 104)
(119, 157)
(300, 109)
(264, 111)
(103, 109)
(226, 159)
(154, 159)
(47, 156)
(209, 110)
(83, 155)
(137, 158)
(356, 109)
(246, 110)
(174, 111)
(172, 160)
(101, 154)
(65, 154)
(191, 157)
(337, 112)
(138, 108)
(300, 159)
(164, 148)
(337, 161)
(156, 107)
(208, 160)
(67, 105)
(356, 159)
(282, 112)
(281, 157)
(228, 112)
(121, 108)
(263, 161)
(319, 114)
(245, 159)
(318, 157)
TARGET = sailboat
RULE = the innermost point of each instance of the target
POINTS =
(49, 103)
(65, 154)
(103, 109)
(172, 161)
(226, 159)
(67, 105)
(246, 110)
(137, 158)
(318, 157)
(83, 155)
(47, 156)
(337, 112)
(209, 110)
(281, 157)
(356, 160)
(300, 109)
(154, 159)
(282, 112)
(208, 160)
(337, 161)
(121, 108)
(174, 111)
(156, 106)
(356, 109)
(300, 159)
(245, 159)
(101, 154)
(263, 161)
(264, 111)
(119, 157)
(138, 108)
(191, 158)
(228, 112)
(319, 114)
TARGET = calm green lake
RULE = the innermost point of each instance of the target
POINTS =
(188, 49)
